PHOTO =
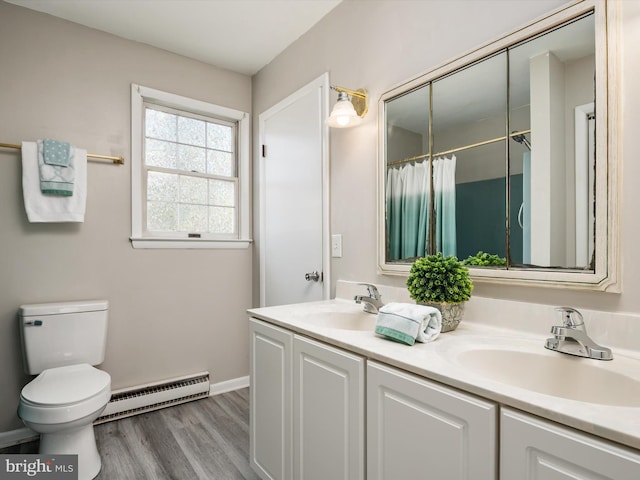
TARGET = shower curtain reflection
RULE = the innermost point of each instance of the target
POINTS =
(408, 206)
(444, 186)
(408, 196)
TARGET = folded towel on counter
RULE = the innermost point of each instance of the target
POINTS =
(55, 164)
(408, 323)
(53, 208)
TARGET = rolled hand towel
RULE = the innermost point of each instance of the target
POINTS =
(408, 323)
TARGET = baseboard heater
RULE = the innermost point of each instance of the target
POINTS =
(154, 396)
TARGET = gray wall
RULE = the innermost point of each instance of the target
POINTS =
(172, 312)
(378, 45)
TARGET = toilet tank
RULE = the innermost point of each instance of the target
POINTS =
(66, 333)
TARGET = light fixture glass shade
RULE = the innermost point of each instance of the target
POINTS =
(343, 115)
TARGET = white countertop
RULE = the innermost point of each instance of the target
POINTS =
(437, 361)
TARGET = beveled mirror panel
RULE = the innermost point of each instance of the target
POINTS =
(553, 79)
(504, 152)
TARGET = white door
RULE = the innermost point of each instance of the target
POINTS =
(294, 198)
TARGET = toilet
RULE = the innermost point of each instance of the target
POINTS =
(60, 343)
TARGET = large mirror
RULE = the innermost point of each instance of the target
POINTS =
(500, 158)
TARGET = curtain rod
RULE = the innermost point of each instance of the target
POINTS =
(459, 149)
(115, 160)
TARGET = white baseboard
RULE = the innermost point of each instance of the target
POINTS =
(23, 435)
(228, 385)
(14, 437)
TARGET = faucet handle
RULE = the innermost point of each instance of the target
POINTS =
(372, 290)
(571, 317)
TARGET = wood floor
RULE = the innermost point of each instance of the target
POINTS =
(204, 440)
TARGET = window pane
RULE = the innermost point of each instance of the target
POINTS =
(162, 216)
(191, 131)
(190, 170)
(160, 154)
(191, 159)
(221, 220)
(162, 186)
(219, 137)
(193, 190)
(193, 218)
(160, 125)
(220, 163)
(222, 193)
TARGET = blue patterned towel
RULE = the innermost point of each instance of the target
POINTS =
(57, 172)
(56, 152)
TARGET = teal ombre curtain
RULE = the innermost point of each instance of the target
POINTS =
(408, 202)
(444, 189)
(394, 213)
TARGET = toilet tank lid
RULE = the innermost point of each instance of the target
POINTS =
(63, 307)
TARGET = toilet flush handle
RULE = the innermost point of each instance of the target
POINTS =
(35, 323)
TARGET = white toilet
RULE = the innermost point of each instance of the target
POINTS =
(60, 342)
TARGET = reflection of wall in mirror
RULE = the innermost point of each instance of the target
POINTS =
(402, 143)
(556, 89)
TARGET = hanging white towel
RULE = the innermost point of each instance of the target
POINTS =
(48, 208)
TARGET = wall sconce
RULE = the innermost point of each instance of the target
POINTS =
(351, 107)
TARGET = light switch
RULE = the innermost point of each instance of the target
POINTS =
(336, 245)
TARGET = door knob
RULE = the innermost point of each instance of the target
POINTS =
(312, 276)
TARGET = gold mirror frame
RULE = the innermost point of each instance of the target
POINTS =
(605, 276)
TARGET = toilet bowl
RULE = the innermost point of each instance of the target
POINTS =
(61, 342)
(61, 404)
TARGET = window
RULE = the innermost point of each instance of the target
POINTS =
(189, 173)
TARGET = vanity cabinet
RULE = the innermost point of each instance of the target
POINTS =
(419, 429)
(537, 449)
(309, 422)
(307, 407)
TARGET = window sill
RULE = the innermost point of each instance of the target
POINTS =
(189, 243)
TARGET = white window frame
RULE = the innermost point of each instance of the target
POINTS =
(140, 239)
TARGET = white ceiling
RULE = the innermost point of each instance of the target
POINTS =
(238, 35)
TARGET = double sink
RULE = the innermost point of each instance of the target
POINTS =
(520, 363)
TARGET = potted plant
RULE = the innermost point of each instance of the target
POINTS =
(442, 282)
(482, 259)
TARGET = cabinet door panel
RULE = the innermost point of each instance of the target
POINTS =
(536, 449)
(418, 429)
(328, 390)
(271, 422)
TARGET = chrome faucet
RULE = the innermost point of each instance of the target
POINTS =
(571, 337)
(373, 301)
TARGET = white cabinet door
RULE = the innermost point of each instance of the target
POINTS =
(418, 429)
(536, 449)
(328, 421)
(271, 420)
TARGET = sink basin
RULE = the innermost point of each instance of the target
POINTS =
(559, 375)
(358, 320)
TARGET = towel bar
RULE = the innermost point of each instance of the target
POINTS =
(115, 160)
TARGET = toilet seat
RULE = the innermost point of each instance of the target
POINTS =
(65, 394)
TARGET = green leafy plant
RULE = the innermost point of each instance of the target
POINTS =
(483, 259)
(439, 279)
